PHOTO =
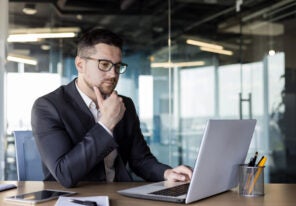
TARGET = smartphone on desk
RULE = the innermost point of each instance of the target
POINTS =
(39, 196)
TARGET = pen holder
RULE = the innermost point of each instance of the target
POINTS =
(251, 180)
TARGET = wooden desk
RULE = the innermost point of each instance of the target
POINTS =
(275, 194)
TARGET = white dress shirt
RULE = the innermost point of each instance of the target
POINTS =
(110, 158)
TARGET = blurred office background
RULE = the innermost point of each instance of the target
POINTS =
(189, 61)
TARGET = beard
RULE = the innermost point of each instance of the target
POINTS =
(106, 91)
(106, 87)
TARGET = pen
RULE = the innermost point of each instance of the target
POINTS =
(253, 161)
(85, 202)
(260, 165)
(260, 161)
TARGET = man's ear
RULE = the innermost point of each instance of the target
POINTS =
(79, 63)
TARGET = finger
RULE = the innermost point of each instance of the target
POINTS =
(99, 97)
(183, 170)
(182, 174)
(178, 177)
(114, 93)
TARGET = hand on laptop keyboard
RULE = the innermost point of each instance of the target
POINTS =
(181, 173)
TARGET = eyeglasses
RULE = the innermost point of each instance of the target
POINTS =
(106, 65)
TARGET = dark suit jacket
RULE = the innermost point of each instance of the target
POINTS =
(72, 145)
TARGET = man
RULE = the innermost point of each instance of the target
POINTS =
(85, 131)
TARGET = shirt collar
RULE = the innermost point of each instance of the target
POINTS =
(88, 101)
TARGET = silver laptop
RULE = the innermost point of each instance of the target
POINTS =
(224, 146)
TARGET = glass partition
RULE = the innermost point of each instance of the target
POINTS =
(242, 76)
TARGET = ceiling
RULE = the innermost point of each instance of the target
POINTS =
(143, 23)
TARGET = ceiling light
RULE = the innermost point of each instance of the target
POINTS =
(30, 9)
(176, 64)
(26, 35)
(36, 37)
(45, 47)
(21, 59)
(21, 38)
(219, 51)
(79, 17)
(203, 44)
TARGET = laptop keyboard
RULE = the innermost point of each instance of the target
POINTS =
(173, 191)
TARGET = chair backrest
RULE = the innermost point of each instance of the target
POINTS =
(28, 161)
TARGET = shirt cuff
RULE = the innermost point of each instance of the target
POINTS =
(105, 128)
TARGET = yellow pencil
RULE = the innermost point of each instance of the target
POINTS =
(260, 167)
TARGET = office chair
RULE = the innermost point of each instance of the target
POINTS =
(28, 161)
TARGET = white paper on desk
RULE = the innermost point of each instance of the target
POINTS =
(65, 201)
(6, 186)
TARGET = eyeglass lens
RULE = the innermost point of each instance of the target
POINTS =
(105, 65)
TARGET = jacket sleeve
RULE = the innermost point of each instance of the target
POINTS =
(141, 160)
(68, 160)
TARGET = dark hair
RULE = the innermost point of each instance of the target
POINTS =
(95, 36)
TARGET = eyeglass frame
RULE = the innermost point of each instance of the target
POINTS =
(113, 64)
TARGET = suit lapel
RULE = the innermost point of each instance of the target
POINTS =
(79, 106)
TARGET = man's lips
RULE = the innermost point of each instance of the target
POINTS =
(109, 82)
